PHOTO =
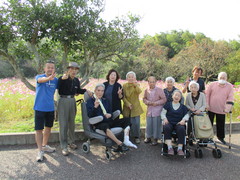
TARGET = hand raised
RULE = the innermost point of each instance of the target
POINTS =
(96, 103)
(65, 75)
(119, 91)
(52, 76)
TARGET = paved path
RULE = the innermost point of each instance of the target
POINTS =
(18, 162)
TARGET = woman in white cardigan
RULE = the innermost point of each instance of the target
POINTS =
(195, 100)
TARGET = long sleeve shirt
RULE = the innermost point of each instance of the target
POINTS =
(69, 86)
(93, 112)
(201, 102)
(157, 96)
(218, 95)
(131, 97)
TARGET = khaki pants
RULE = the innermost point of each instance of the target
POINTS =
(66, 118)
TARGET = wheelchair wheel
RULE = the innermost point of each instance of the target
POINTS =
(217, 153)
(86, 147)
(198, 153)
(108, 155)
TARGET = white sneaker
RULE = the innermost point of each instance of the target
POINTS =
(40, 156)
(48, 148)
(128, 143)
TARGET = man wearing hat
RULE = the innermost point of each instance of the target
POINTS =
(68, 87)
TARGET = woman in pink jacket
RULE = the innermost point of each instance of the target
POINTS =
(219, 93)
(154, 98)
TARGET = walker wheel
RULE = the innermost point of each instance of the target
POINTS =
(217, 153)
(86, 147)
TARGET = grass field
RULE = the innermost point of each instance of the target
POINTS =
(16, 105)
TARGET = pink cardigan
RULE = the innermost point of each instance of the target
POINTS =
(217, 96)
(154, 95)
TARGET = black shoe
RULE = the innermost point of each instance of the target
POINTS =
(121, 148)
(147, 140)
(222, 140)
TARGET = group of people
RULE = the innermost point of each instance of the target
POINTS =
(165, 107)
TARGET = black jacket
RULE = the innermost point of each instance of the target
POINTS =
(116, 101)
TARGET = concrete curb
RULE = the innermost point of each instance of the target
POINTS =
(29, 138)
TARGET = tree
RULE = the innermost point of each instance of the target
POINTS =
(72, 28)
(207, 54)
(232, 67)
(153, 57)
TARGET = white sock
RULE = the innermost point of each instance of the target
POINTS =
(179, 148)
(126, 131)
(127, 142)
(169, 147)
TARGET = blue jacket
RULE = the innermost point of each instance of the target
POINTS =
(92, 111)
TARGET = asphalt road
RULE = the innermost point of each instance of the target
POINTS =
(18, 162)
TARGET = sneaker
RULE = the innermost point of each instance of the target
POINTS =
(65, 152)
(147, 140)
(137, 140)
(222, 141)
(154, 142)
(40, 156)
(73, 146)
(180, 152)
(121, 148)
(48, 148)
(170, 151)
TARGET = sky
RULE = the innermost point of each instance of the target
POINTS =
(217, 19)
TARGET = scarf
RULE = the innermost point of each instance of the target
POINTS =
(101, 105)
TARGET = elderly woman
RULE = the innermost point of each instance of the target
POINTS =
(196, 72)
(219, 94)
(174, 115)
(132, 107)
(195, 100)
(170, 89)
(154, 98)
(113, 90)
(99, 106)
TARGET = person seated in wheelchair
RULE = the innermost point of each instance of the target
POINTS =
(174, 116)
(98, 107)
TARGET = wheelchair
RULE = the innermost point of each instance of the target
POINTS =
(164, 150)
(92, 133)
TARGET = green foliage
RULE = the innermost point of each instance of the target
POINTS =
(232, 67)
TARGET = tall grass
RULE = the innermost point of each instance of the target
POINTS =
(16, 105)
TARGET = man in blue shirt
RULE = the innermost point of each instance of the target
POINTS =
(44, 108)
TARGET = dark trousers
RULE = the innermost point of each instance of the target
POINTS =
(220, 122)
(180, 131)
(104, 125)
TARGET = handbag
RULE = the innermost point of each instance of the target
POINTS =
(203, 126)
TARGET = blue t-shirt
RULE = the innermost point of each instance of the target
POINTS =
(44, 100)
